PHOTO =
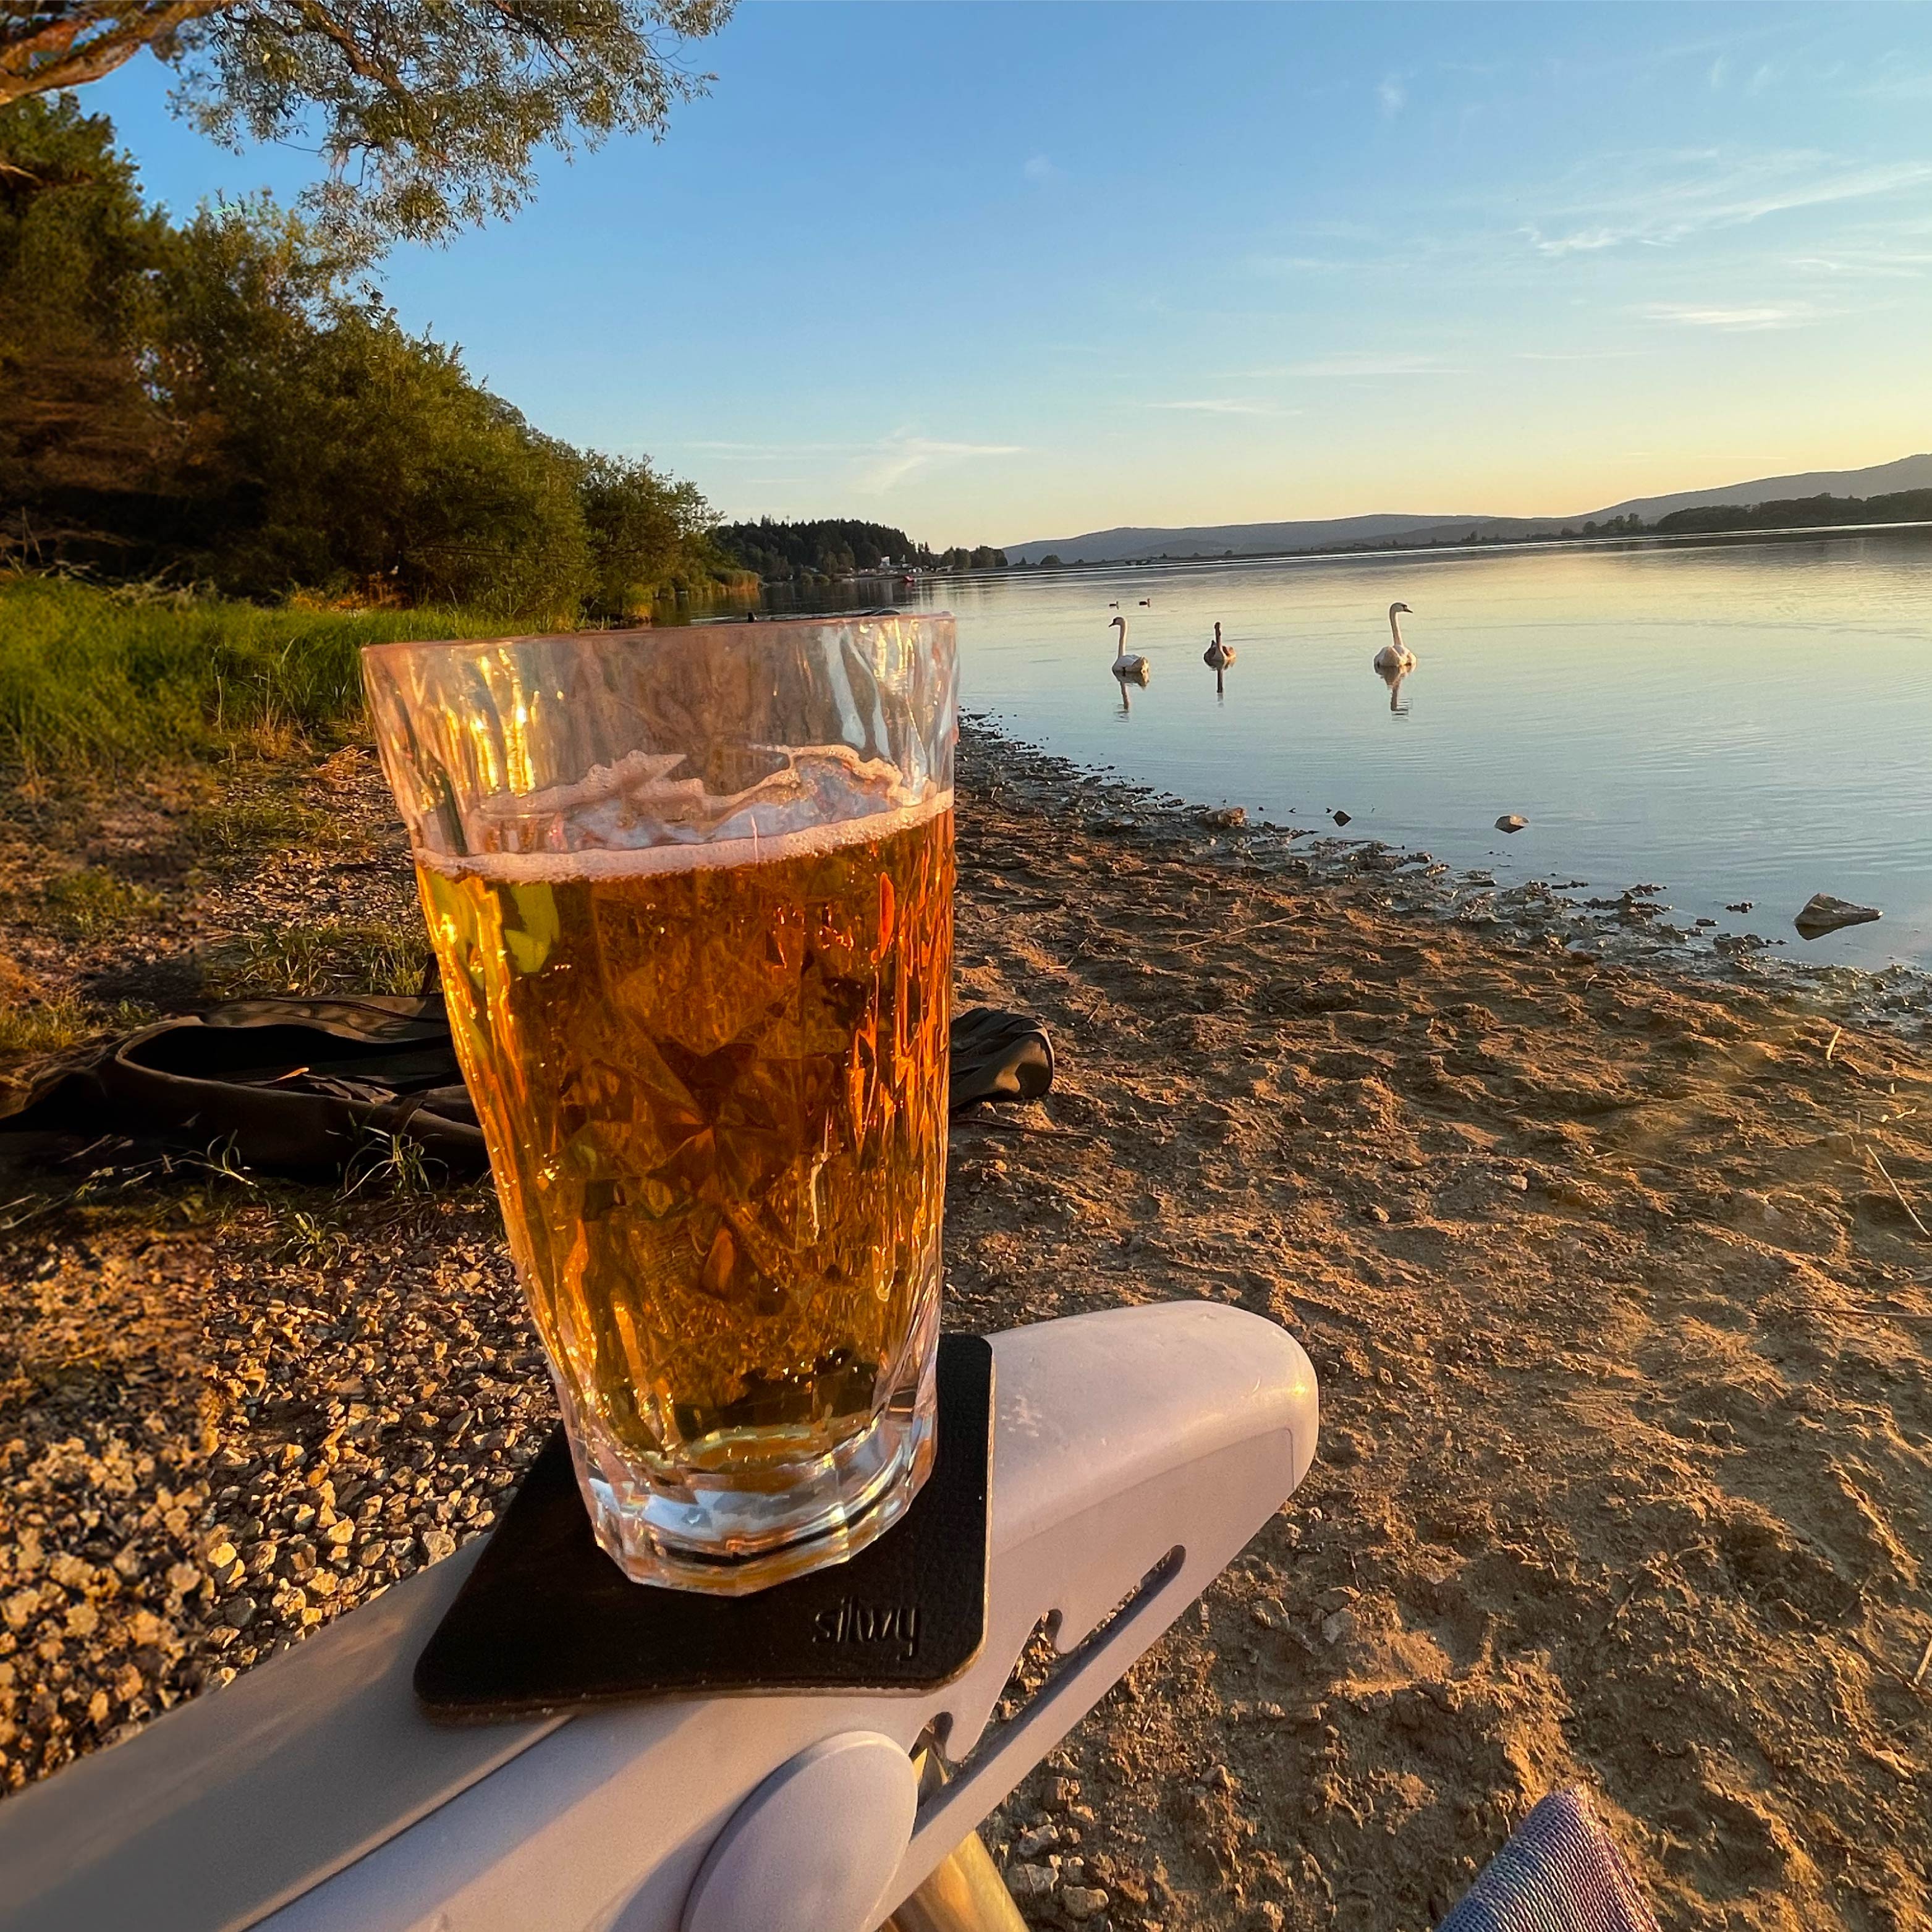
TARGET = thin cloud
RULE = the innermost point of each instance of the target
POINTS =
(1898, 82)
(1041, 168)
(1224, 405)
(1584, 241)
(1693, 315)
(1392, 95)
(869, 468)
(1671, 197)
(899, 457)
(768, 452)
(1369, 363)
(1296, 264)
(1883, 264)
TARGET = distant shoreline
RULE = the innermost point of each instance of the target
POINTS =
(1486, 546)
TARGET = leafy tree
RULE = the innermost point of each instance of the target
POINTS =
(429, 112)
(1800, 512)
(982, 556)
(218, 399)
(372, 459)
(822, 546)
(646, 533)
(77, 421)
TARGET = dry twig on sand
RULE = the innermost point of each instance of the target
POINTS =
(1910, 1215)
(1237, 932)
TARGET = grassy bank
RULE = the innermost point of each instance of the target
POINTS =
(91, 681)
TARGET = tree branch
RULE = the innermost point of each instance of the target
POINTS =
(84, 42)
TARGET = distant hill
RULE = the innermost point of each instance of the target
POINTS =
(1909, 473)
(1128, 544)
(1119, 546)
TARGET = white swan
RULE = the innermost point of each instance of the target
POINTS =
(1218, 656)
(1395, 655)
(1138, 669)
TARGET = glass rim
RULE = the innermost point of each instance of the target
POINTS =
(731, 627)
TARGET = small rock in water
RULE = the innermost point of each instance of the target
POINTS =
(1226, 818)
(1823, 914)
(1511, 821)
(1339, 817)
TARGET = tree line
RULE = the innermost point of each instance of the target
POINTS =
(222, 400)
(1899, 506)
(784, 552)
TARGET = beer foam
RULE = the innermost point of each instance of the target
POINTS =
(633, 817)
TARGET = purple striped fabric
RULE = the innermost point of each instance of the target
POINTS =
(1561, 1871)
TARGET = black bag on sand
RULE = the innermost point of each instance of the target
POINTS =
(300, 1084)
(289, 1083)
(998, 1056)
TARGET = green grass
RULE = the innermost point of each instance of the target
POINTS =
(330, 956)
(93, 680)
(86, 904)
(29, 1030)
(238, 827)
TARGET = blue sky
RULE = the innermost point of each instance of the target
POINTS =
(998, 272)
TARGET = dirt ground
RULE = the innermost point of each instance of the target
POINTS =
(1612, 1281)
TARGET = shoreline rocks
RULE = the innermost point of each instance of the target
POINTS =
(1630, 928)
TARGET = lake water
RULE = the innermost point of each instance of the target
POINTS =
(1733, 721)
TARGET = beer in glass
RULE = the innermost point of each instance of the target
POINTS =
(690, 892)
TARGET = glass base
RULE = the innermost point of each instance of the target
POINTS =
(707, 1534)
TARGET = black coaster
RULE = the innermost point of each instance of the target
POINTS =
(546, 1620)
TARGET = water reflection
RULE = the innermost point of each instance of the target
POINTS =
(1394, 676)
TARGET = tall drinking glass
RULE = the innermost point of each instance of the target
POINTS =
(691, 893)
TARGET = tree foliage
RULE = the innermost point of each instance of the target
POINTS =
(217, 400)
(429, 113)
(1900, 506)
(645, 531)
(836, 546)
(822, 547)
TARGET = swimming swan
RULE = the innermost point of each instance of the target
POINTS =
(1138, 669)
(1395, 655)
(1217, 657)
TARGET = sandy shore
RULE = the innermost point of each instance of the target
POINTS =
(1622, 1328)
